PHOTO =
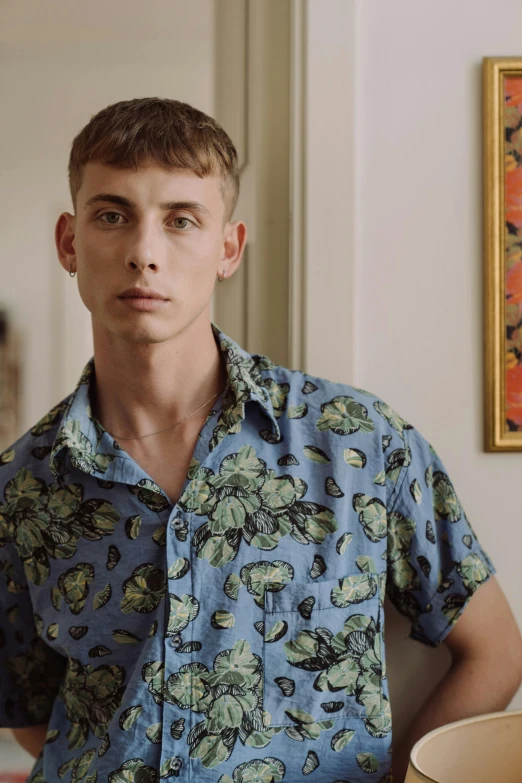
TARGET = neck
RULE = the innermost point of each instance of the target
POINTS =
(140, 389)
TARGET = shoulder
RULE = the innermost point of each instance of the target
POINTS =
(34, 446)
(342, 408)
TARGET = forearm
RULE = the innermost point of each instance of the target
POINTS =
(31, 739)
(471, 687)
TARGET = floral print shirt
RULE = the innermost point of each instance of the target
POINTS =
(237, 636)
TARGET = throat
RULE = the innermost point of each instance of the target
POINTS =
(166, 457)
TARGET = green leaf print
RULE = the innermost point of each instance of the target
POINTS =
(244, 470)
(306, 728)
(237, 666)
(227, 711)
(24, 486)
(150, 494)
(268, 770)
(344, 416)
(473, 571)
(350, 660)
(129, 717)
(88, 694)
(380, 725)
(52, 631)
(355, 458)
(354, 590)
(81, 450)
(74, 585)
(341, 739)
(82, 764)
(211, 751)
(311, 763)
(231, 586)
(276, 632)
(416, 491)
(297, 411)
(171, 767)
(250, 502)
(372, 516)
(125, 637)
(153, 733)
(102, 597)
(445, 500)
(278, 492)
(380, 479)
(400, 534)
(188, 689)
(367, 762)
(453, 606)
(182, 612)
(222, 619)
(403, 575)
(218, 551)
(132, 527)
(342, 543)
(393, 418)
(228, 513)
(366, 564)
(132, 771)
(46, 521)
(179, 568)
(266, 576)
(318, 525)
(303, 648)
(316, 454)
(143, 590)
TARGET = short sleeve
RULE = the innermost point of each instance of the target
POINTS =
(30, 670)
(435, 562)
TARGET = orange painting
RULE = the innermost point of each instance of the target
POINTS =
(513, 251)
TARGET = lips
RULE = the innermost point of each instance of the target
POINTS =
(141, 293)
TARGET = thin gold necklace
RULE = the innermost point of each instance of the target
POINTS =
(139, 437)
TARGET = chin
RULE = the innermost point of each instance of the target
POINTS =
(146, 337)
(140, 335)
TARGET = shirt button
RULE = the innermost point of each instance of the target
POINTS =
(176, 640)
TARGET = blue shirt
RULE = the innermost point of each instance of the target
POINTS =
(237, 636)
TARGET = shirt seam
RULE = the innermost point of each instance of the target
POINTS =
(400, 481)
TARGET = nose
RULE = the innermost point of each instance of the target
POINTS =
(144, 250)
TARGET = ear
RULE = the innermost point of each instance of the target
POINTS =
(234, 241)
(64, 238)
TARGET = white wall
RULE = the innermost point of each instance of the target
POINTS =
(418, 260)
(60, 63)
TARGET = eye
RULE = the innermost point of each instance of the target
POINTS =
(184, 219)
(110, 222)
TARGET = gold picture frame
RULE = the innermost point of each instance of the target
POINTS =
(502, 132)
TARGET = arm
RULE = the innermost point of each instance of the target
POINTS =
(31, 739)
(485, 673)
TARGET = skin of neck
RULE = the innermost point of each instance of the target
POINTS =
(143, 388)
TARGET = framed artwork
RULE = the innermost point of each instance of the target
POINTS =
(502, 105)
(10, 383)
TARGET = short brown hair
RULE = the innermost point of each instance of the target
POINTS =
(157, 130)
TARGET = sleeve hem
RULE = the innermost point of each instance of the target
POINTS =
(419, 635)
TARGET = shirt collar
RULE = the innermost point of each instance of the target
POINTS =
(80, 434)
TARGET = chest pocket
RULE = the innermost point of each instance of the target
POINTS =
(323, 650)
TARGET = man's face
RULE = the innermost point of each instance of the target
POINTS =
(128, 232)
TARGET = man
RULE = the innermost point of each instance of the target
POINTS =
(197, 542)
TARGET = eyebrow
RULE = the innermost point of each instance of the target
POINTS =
(113, 198)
